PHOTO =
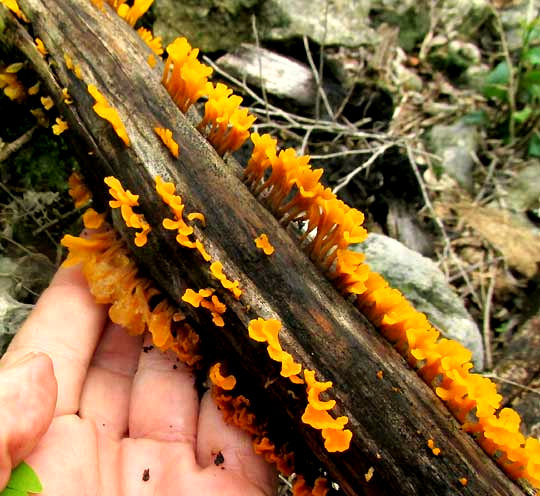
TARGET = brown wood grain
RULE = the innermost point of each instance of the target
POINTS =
(391, 418)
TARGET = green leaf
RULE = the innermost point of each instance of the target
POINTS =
(533, 55)
(533, 33)
(522, 115)
(534, 145)
(502, 328)
(22, 480)
(531, 78)
(496, 84)
(8, 491)
(476, 118)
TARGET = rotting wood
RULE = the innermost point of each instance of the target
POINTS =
(391, 418)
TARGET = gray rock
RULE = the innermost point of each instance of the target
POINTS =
(407, 79)
(469, 52)
(214, 25)
(524, 194)
(208, 25)
(20, 279)
(454, 54)
(12, 313)
(281, 76)
(403, 225)
(425, 286)
(340, 22)
(7, 271)
(455, 145)
(412, 21)
(465, 16)
(515, 18)
(33, 274)
(475, 76)
(413, 17)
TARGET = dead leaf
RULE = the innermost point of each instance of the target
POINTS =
(519, 246)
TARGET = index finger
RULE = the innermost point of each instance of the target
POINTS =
(66, 324)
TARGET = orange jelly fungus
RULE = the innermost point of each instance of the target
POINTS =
(168, 141)
(9, 82)
(151, 59)
(202, 250)
(446, 366)
(125, 200)
(226, 383)
(321, 487)
(266, 331)
(105, 111)
(369, 474)
(293, 192)
(14, 7)
(77, 71)
(195, 298)
(34, 89)
(78, 191)
(41, 47)
(225, 124)
(236, 411)
(431, 446)
(69, 61)
(47, 102)
(131, 14)
(301, 488)
(314, 388)
(263, 243)
(184, 77)
(216, 269)
(153, 42)
(72, 67)
(200, 299)
(336, 440)
(283, 460)
(463, 481)
(321, 419)
(167, 193)
(92, 219)
(60, 126)
(66, 96)
(113, 280)
(197, 216)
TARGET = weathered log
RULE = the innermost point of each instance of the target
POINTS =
(391, 418)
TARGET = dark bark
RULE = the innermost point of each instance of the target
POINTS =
(392, 418)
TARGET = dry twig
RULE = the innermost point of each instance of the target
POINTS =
(318, 81)
(511, 93)
(447, 244)
(376, 154)
(6, 149)
(513, 383)
(486, 327)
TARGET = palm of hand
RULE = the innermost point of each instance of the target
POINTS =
(127, 422)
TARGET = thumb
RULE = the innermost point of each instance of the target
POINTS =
(27, 400)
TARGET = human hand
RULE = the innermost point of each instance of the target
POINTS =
(111, 419)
